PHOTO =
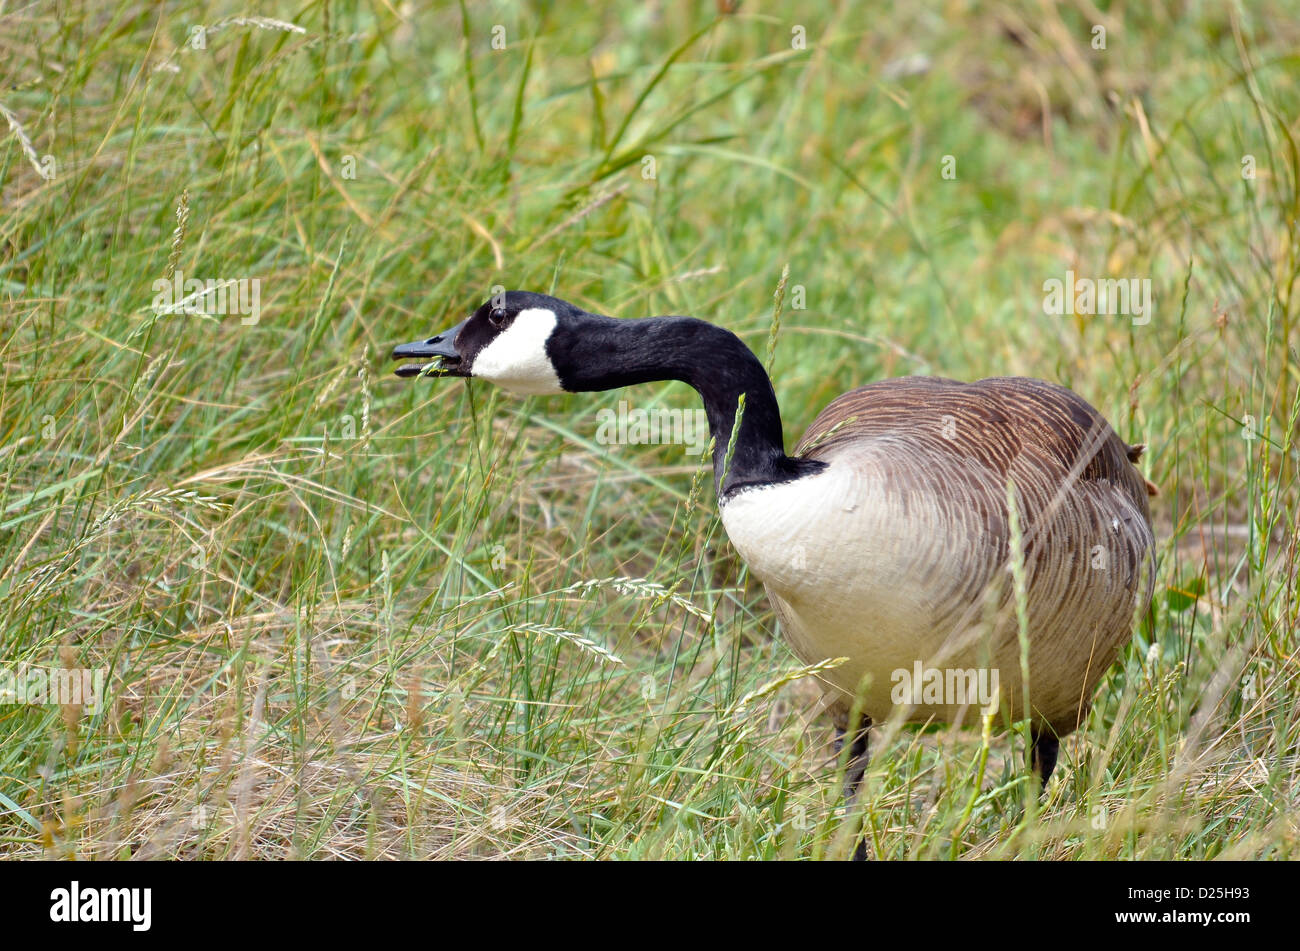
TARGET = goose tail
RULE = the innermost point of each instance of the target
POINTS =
(1134, 454)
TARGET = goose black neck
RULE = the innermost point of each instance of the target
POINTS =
(605, 353)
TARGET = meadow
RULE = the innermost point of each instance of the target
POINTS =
(337, 614)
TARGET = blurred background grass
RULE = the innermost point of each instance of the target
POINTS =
(341, 615)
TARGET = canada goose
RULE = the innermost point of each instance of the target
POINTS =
(887, 538)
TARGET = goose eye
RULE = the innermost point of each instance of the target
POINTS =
(497, 317)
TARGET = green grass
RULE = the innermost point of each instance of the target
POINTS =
(346, 615)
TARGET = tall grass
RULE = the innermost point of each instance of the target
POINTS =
(345, 615)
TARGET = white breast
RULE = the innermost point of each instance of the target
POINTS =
(850, 573)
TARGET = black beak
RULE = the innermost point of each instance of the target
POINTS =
(442, 346)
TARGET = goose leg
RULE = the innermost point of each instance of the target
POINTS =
(857, 767)
(1042, 753)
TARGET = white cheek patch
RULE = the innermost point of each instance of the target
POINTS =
(516, 359)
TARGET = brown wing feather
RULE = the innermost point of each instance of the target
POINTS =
(1042, 429)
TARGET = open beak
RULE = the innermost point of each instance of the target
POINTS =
(442, 346)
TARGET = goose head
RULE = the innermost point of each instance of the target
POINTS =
(532, 345)
(512, 341)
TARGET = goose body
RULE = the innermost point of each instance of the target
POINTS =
(886, 538)
(900, 550)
